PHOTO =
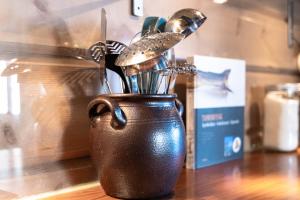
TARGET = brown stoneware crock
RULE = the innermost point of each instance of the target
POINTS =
(138, 143)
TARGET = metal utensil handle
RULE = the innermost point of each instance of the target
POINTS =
(179, 107)
(118, 120)
(135, 37)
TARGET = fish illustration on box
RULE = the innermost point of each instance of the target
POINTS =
(218, 80)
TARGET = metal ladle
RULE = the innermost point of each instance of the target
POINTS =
(142, 56)
(147, 48)
(185, 21)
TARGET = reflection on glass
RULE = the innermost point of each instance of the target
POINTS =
(3, 95)
(14, 101)
(3, 90)
(11, 163)
(9, 92)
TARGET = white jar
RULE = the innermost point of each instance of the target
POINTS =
(281, 121)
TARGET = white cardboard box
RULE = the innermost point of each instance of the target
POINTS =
(215, 111)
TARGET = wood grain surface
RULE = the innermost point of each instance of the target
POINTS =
(258, 176)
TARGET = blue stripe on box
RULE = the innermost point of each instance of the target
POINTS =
(219, 135)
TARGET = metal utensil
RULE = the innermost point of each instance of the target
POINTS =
(147, 75)
(183, 69)
(133, 81)
(153, 64)
(103, 40)
(153, 25)
(110, 64)
(98, 52)
(185, 21)
(147, 48)
(172, 78)
(147, 79)
(154, 76)
(110, 60)
(113, 49)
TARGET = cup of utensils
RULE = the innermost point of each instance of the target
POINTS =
(150, 161)
(148, 65)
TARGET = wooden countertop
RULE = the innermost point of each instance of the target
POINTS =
(257, 176)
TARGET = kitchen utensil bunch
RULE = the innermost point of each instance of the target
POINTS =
(148, 65)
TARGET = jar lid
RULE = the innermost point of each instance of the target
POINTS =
(291, 90)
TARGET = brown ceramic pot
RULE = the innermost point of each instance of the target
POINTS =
(138, 143)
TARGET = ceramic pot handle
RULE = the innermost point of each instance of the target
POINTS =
(179, 107)
(118, 120)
